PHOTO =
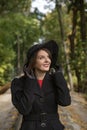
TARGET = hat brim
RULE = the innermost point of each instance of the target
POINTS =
(50, 45)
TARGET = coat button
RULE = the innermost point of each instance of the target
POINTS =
(43, 124)
(42, 100)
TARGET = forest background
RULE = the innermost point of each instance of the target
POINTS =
(66, 23)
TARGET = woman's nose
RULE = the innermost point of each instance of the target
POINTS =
(47, 59)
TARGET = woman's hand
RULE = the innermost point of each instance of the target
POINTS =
(57, 68)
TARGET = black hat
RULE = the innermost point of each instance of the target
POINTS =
(50, 45)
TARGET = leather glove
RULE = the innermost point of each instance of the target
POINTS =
(57, 68)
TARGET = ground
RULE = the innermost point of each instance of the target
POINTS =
(74, 117)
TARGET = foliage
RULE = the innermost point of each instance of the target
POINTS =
(75, 36)
(78, 40)
(19, 27)
(51, 30)
(6, 57)
(51, 27)
(15, 27)
(7, 6)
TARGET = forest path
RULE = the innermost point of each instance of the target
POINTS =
(8, 113)
(75, 116)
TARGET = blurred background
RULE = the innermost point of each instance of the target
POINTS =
(27, 22)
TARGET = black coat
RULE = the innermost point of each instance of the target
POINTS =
(39, 106)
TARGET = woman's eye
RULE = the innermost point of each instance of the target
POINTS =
(41, 57)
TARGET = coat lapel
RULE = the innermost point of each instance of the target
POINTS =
(47, 86)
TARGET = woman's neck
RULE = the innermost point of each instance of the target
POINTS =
(40, 75)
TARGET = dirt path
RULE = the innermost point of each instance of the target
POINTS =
(74, 117)
(7, 111)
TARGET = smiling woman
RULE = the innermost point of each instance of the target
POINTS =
(42, 64)
(38, 92)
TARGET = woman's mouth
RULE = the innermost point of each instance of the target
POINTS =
(46, 65)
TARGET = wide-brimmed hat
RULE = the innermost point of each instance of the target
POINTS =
(50, 45)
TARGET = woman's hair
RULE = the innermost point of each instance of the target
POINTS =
(29, 66)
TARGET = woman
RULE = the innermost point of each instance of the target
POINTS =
(37, 94)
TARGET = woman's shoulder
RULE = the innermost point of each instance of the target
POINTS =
(18, 81)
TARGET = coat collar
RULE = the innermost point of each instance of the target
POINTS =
(46, 86)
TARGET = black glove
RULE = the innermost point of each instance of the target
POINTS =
(57, 68)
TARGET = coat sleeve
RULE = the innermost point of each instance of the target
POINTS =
(22, 99)
(62, 91)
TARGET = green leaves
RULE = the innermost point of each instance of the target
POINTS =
(7, 6)
(15, 28)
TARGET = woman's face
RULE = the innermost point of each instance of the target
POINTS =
(43, 61)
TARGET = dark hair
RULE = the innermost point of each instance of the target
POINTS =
(29, 66)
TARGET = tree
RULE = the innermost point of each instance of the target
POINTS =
(8, 6)
(59, 10)
(17, 29)
(78, 7)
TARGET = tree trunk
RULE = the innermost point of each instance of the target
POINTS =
(72, 35)
(83, 35)
(58, 7)
(82, 21)
(18, 56)
(24, 56)
(78, 75)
